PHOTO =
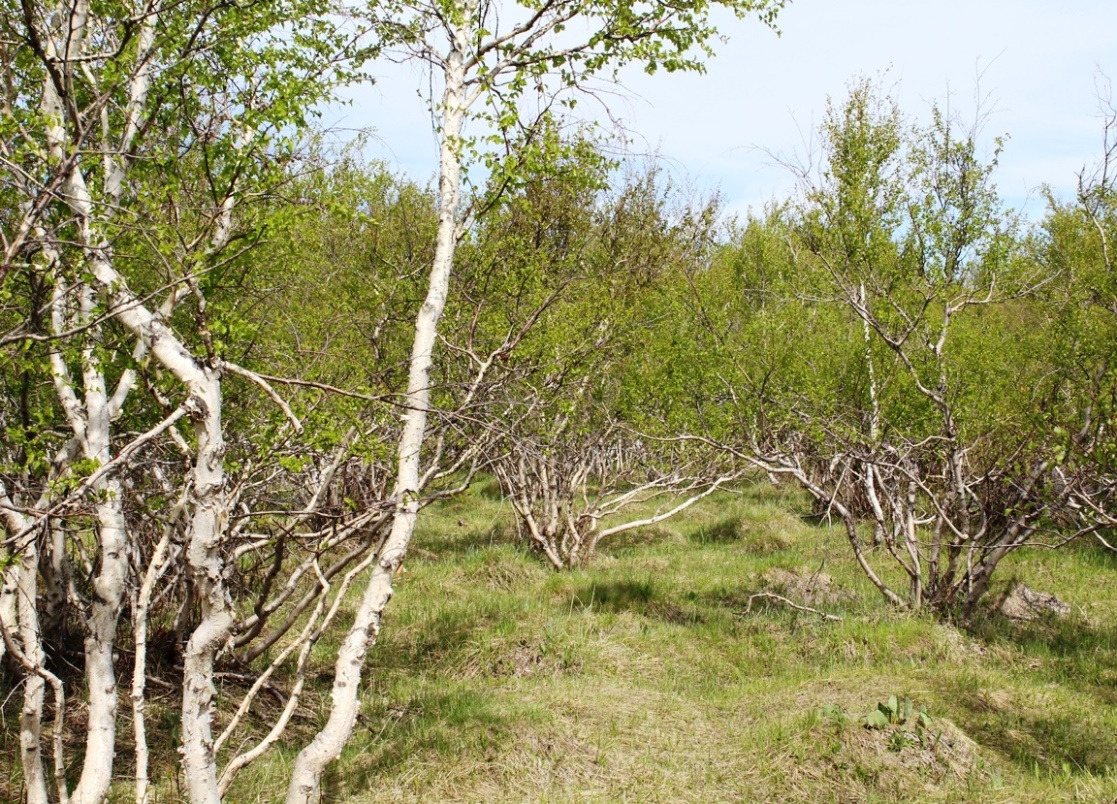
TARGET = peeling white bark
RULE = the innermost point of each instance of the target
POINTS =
(9, 584)
(209, 520)
(328, 743)
(22, 636)
(90, 417)
(139, 665)
(207, 565)
(31, 714)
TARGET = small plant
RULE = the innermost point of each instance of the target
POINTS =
(834, 715)
(898, 712)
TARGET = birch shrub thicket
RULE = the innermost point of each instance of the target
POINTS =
(229, 386)
(587, 266)
(167, 456)
(937, 379)
(134, 142)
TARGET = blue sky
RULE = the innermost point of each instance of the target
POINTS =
(1034, 66)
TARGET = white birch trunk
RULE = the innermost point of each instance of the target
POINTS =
(91, 423)
(139, 667)
(207, 529)
(108, 593)
(110, 582)
(31, 715)
(328, 743)
(874, 418)
(9, 585)
(209, 520)
(21, 626)
(207, 566)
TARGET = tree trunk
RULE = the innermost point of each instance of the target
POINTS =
(31, 715)
(108, 585)
(207, 566)
(108, 593)
(209, 519)
(9, 593)
(327, 744)
(140, 605)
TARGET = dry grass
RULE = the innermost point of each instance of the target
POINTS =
(646, 677)
(642, 678)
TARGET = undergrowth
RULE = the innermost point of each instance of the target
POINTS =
(656, 674)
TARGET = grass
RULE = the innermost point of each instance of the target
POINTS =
(642, 677)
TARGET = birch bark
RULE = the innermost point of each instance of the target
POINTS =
(328, 743)
(30, 638)
(209, 518)
(91, 416)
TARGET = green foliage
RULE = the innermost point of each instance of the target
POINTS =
(892, 318)
(339, 275)
(893, 322)
(898, 712)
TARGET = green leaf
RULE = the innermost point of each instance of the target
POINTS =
(876, 719)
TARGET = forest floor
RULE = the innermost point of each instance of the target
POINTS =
(655, 675)
(732, 654)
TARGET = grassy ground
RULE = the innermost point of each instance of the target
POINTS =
(647, 678)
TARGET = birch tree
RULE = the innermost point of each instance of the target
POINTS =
(133, 137)
(106, 110)
(1075, 243)
(920, 347)
(591, 269)
(488, 58)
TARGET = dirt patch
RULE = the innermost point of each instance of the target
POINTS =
(524, 660)
(806, 586)
(938, 751)
(896, 760)
(519, 661)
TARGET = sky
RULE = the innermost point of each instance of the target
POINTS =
(1031, 70)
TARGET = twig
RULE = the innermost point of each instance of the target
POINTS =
(780, 599)
(271, 392)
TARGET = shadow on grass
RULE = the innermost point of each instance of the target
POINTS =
(436, 643)
(1070, 653)
(643, 597)
(448, 537)
(1056, 744)
(722, 531)
(629, 541)
(449, 726)
(625, 595)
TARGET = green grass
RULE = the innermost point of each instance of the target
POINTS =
(642, 677)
